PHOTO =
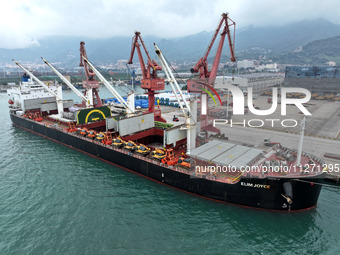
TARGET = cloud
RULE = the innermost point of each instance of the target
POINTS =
(23, 24)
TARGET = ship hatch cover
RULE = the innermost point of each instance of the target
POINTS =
(224, 153)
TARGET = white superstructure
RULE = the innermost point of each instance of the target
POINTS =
(30, 95)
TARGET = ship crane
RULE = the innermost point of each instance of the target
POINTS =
(91, 85)
(128, 106)
(150, 80)
(206, 79)
(88, 103)
(186, 110)
(58, 95)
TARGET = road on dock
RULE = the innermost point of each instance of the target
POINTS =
(255, 136)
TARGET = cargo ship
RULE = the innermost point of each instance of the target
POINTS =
(179, 156)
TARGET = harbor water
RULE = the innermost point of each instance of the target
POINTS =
(55, 200)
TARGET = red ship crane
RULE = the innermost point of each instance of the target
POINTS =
(150, 80)
(206, 78)
(201, 67)
(91, 85)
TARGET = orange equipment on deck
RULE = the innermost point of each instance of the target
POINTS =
(84, 131)
(184, 161)
(107, 139)
(91, 134)
(100, 136)
(37, 117)
(169, 158)
(72, 127)
(158, 154)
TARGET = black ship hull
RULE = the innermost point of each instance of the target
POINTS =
(264, 193)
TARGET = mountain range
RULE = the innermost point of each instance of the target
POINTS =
(305, 42)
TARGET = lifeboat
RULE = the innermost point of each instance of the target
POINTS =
(129, 145)
(118, 142)
(91, 134)
(158, 154)
(142, 149)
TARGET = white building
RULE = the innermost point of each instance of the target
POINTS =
(245, 64)
(257, 81)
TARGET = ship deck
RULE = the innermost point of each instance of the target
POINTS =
(280, 162)
(207, 158)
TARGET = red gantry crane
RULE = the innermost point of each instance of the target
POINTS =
(206, 78)
(91, 85)
(150, 80)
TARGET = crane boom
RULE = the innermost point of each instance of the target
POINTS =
(91, 85)
(150, 80)
(108, 85)
(68, 83)
(90, 81)
(206, 79)
(201, 66)
(37, 80)
(174, 85)
(189, 117)
(151, 64)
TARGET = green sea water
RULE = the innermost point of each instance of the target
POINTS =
(55, 200)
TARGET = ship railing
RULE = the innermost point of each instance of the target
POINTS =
(224, 179)
(156, 162)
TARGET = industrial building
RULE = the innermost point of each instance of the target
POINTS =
(317, 79)
(258, 81)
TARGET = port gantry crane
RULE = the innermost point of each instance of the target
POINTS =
(150, 80)
(91, 85)
(206, 78)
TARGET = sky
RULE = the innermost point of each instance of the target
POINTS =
(24, 22)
